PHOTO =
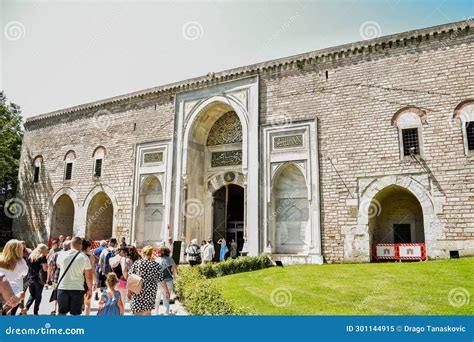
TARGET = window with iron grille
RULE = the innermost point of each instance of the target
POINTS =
(98, 168)
(411, 143)
(68, 171)
(470, 135)
(36, 175)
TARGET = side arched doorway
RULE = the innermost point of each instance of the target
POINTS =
(228, 215)
(149, 225)
(62, 222)
(395, 216)
(100, 213)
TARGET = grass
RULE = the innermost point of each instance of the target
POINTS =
(419, 288)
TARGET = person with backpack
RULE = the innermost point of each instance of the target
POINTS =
(97, 252)
(37, 277)
(193, 252)
(104, 262)
(169, 269)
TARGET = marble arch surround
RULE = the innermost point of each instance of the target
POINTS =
(305, 159)
(242, 96)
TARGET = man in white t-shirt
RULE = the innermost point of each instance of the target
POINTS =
(71, 287)
(208, 252)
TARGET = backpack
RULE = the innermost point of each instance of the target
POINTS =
(107, 267)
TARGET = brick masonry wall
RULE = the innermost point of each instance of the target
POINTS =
(354, 107)
(117, 132)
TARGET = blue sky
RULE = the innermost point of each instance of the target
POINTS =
(57, 54)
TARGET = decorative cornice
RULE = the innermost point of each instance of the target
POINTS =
(404, 39)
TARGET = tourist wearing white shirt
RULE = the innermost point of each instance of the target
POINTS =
(13, 266)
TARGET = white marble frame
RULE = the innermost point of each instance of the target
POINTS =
(162, 171)
(408, 120)
(242, 96)
(306, 159)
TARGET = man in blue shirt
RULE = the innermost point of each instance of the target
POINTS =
(97, 253)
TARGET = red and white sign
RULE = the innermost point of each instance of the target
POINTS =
(385, 251)
(399, 251)
(410, 251)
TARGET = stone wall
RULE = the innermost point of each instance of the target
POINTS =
(353, 94)
(354, 107)
(118, 129)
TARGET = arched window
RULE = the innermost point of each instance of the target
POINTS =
(409, 122)
(37, 164)
(465, 113)
(99, 154)
(69, 163)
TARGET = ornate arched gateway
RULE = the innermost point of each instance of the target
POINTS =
(216, 169)
(214, 156)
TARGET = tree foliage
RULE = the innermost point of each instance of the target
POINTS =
(11, 135)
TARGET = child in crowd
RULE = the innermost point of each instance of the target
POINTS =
(110, 302)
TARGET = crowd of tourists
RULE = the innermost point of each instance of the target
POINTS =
(206, 252)
(111, 274)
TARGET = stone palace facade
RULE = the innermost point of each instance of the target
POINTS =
(309, 158)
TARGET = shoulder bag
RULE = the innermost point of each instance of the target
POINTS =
(54, 294)
(135, 281)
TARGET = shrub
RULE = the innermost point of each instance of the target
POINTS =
(201, 296)
(233, 266)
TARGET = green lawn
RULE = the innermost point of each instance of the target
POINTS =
(356, 289)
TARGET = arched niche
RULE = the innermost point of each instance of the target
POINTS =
(289, 215)
(149, 224)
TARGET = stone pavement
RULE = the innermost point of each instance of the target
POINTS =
(46, 307)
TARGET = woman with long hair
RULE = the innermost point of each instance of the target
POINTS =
(169, 269)
(37, 277)
(133, 254)
(122, 271)
(14, 267)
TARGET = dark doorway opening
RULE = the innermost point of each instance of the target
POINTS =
(228, 216)
(401, 233)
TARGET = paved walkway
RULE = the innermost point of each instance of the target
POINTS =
(46, 307)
